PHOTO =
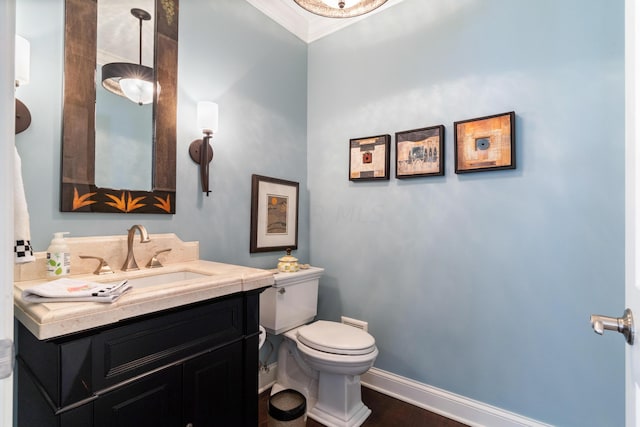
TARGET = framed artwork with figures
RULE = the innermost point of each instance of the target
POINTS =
(420, 152)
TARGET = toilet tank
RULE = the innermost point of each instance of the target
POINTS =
(291, 301)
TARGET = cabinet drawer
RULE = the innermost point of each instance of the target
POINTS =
(124, 352)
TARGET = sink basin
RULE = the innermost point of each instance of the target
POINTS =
(164, 278)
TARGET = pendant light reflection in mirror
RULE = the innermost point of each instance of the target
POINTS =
(133, 81)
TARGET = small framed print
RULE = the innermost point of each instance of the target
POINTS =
(486, 143)
(420, 152)
(274, 214)
(369, 158)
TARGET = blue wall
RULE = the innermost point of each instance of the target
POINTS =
(229, 53)
(480, 284)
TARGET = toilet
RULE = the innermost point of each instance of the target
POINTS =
(322, 360)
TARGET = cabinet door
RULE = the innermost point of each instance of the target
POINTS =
(213, 388)
(154, 401)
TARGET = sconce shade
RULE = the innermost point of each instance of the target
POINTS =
(23, 53)
(340, 8)
(207, 118)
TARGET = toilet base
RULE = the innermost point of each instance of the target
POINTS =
(357, 419)
(339, 401)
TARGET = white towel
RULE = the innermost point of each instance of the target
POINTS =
(22, 249)
(65, 290)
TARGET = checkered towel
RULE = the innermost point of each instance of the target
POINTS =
(22, 248)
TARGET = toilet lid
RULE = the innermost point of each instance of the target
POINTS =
(337, 338)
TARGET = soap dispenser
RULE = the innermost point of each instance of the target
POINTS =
(58, 256)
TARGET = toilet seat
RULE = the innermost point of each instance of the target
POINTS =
(336, 338)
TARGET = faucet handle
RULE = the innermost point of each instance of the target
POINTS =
(153, 262)
(103, 267)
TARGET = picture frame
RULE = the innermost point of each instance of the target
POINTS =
(274, 214)
(485, 143)
(369, 158)
(420, 152)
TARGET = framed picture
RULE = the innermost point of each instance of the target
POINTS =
(420, 152)
(485, 143)
(369, 158)
(274, 214)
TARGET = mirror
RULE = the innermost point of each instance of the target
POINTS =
(79, 190)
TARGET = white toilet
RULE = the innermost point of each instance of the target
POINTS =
(322, 360)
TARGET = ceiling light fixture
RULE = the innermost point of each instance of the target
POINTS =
(133, 81)
(340, 8)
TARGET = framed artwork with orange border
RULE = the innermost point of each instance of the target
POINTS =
(485, 143)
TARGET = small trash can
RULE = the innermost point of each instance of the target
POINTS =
(287, 408)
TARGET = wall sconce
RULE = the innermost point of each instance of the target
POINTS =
(133, 81)
(200, 150)
(23, 53)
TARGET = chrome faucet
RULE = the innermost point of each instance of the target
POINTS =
(130, 263)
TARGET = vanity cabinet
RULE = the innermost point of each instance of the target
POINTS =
(193, 365)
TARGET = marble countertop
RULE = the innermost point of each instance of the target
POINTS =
(50, 320)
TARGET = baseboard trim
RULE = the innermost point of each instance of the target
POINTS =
(447, 404)
(462, 409)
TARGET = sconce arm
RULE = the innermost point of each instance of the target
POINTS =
(201, 152)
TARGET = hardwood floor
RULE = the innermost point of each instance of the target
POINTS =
(385, 412)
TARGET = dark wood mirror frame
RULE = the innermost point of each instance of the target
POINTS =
(78, 192)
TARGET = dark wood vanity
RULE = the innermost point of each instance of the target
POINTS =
(194, 365)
